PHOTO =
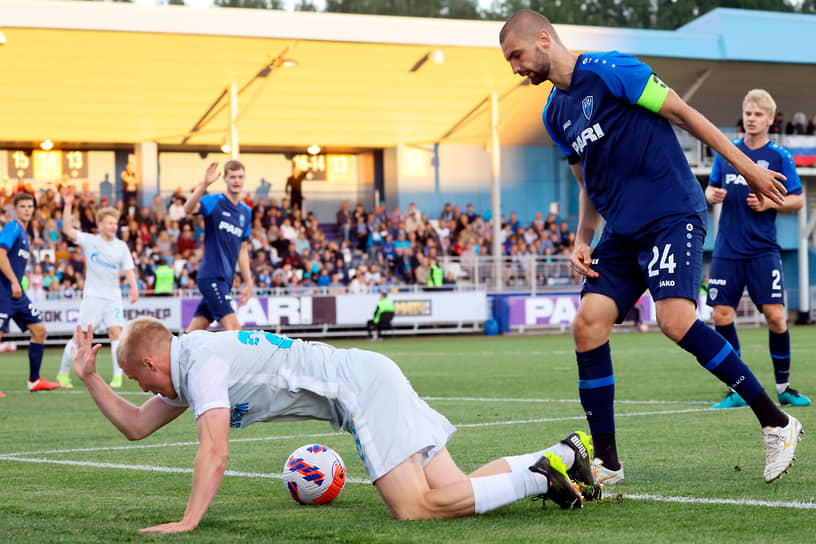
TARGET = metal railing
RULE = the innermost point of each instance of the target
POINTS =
(520, 272)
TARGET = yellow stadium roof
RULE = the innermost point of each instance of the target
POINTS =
(101, 74)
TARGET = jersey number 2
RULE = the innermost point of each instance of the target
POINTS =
(666, 261)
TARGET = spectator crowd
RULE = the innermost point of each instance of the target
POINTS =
(360, 251)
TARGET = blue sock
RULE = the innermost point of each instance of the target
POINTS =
(729, 332)
(718, 357)
(35, 355)
(596, 388)
(779, 344)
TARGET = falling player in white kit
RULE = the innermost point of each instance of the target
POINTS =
(106, 257)
(233, 378)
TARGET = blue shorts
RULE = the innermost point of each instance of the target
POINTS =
(667, 261)
(21, 310)
(216, 301)
(762, 275)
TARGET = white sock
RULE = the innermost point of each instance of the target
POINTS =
(491, 492)
(780, 387)
(117, 370)
(523, 462)
(65, 364)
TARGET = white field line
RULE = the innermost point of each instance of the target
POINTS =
(571, 401)
(736, 502)
(152, 468)
(12, 455)
(462, 399)
(235, 473)
(616, 353)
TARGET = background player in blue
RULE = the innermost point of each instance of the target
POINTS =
(14, 304)
(227, 221)
(746, 251)
(610, 115)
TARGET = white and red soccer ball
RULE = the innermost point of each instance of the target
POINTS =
(314, 474)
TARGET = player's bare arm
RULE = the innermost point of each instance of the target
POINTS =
(792, 203)
(210, 464)
(210, 176)
(715, 195)
(246, 273)
(588, 222)
(68, 216)
(763, 182)
(8, 272)
(133, 291)
(135, 422)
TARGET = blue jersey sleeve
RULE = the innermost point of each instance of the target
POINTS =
(208, 202)
(248, 226)
(9, 234)
(793, 184)
(556, 135)
(624, 75)
(715, 178)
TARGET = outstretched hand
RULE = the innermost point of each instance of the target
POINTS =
(212, 174)
(174, 527)
(84, 355)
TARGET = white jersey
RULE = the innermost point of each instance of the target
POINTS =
(257, 375)
(104, 261)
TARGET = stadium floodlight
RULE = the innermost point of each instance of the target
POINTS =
(47, 145)
(313, 149)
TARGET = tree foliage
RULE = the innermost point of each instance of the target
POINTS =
(656, 14)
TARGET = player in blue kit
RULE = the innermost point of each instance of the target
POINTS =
(227, 222)
(14, 304)
(611, 116)
(746, 252)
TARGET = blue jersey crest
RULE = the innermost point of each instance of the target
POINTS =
(586, 105)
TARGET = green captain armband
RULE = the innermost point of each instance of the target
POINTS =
(654, 94)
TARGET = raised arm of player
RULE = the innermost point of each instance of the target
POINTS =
(763, 182)
(588, 222)
(210, 464)
(210, 176)
(135, 422)
(246, 273)
(68, 216)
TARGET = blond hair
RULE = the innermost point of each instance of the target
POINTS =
(761, 98)
(107, 212)
(141, 336)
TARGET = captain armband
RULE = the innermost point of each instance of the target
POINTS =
(654, 94)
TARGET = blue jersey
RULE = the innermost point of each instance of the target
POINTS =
(635, 172)
(744, 233)
(14, 239)
(226, 226)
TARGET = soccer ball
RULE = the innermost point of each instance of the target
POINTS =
(314, 474)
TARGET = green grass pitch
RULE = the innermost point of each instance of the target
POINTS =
(692, 474)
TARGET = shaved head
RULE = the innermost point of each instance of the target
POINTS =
(526, 24)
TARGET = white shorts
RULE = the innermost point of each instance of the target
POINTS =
(388, 420)
(101, 314)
